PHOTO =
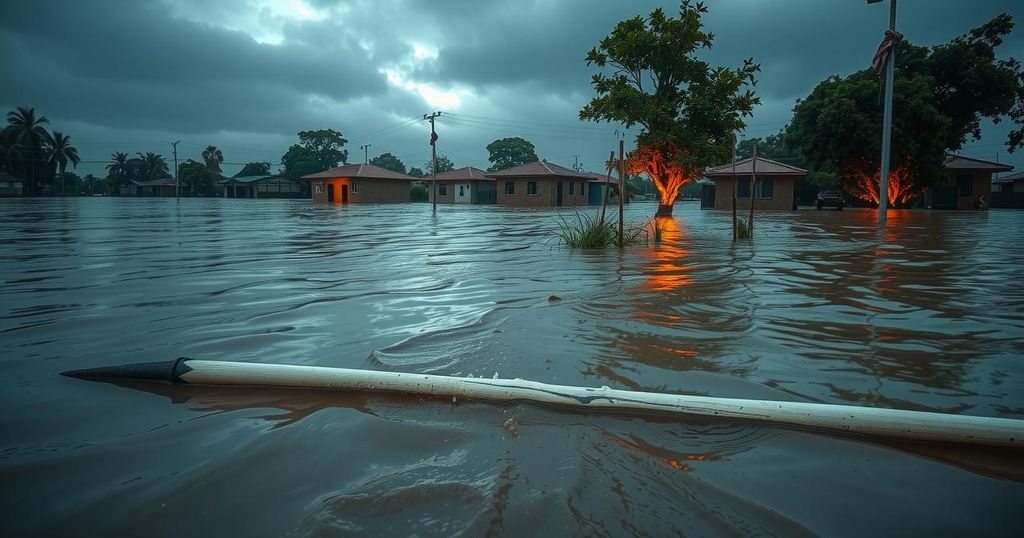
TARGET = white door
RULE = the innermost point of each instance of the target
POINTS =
(462, 194)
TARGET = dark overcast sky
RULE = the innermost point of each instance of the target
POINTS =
(246, 75)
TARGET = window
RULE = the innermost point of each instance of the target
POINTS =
(765, 187)
(462, 190)
(318, 188)
(355, 186)
(531, 187)
(572, 187)
(963, 186)
(510, 187)
(743, 187)
(582, 190)
(442, 190)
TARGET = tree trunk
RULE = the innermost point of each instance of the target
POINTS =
(664, 210)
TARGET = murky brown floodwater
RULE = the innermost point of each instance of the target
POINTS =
(927, 314)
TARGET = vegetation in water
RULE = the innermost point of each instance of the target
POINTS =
(589, 232)
(743, 229)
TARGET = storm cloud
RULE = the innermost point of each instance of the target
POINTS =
(247, 75)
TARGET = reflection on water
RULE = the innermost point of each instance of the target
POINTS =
(823, 306)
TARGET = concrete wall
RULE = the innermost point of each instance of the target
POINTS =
(452, 189)
(364, 191)
(546, 192)
(782, 195)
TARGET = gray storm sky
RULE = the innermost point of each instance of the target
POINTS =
(247, 75)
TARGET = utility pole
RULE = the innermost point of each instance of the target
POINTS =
(622, 189)
(890, 61)
(177, 187)
(576, 162)
(753, 191)
(433, 156)
(734, 187)
(366, 154)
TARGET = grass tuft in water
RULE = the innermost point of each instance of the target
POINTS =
(587, 232)
(743, 230)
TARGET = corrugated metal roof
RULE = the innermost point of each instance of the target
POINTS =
(363, 171)
(159, 182)
(744, 167)
(539, 169)
(1012, 178)
(463, 174)
(959, 162)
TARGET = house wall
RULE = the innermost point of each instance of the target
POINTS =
(367, 191)
(781, 200)
(476, 186)
(448, 197)
(981, 185)
(546, 193)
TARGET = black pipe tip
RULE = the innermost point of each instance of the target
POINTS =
(170, 371)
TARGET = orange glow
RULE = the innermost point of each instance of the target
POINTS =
(668, 176)
(866, 185)
(668, 272)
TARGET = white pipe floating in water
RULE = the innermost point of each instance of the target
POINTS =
(912, 425)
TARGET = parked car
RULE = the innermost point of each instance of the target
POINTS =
(831, 199)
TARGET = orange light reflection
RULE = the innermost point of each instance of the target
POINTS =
(668, 272)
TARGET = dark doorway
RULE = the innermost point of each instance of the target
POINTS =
(558, 194)
(330, 192)
(344, 194)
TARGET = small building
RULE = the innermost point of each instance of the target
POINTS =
(464, 186)
(1008, 191)
(164, 186)
(541, 184)
(969, 185)
(598, 184)
(10, 185)
(776, 183)
(272, 186)
(360, 184)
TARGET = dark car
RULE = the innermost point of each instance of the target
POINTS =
(831, 199)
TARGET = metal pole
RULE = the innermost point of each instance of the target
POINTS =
(366, 153)
(753, 191)
(734, 187)
(177, 187)
(433, 156)
(883, 187)
(622, 189)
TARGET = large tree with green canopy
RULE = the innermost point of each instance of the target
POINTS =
(512, 151)
(940, 96)
(687, 109)
(389, 162)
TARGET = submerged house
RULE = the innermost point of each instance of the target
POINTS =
(1008, 191)
(10, 185)
(463, 186)
(776, 184)
(165, 186)
(272, 186)
(541, 184)
(360, 184)
(969, 185)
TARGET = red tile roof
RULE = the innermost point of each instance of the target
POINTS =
(539, 169)
(361, 171)
(744, 167)
(463, 174)
(959, 162)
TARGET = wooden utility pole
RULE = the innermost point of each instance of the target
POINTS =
(753, 191)
(734, 187)
(366, 153)
(433, 156)
(622, 189)
(607, 182)
(177, 187)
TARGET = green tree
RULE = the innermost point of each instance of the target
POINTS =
(940, 96)
(117, 171)
(26, 131)
(444, 164)
(150, 166)
(59, 152)
(197, 177)
(389, 161)
(416, 172)
(326, 146)
(212, 156)
(687, 109)
(509, 152)
(254, 169)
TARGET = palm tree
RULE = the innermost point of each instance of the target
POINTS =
(59, 151)
(213, 158)
(28, 131)
(117, 171)
(152, 165)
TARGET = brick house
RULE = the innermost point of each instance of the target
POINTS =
(463, 186)
(541, 184)
(270, 186)
(969, 185)
(1008, 191)
(359, 184)
(776, 183)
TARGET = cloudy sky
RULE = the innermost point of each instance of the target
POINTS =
(246, 75)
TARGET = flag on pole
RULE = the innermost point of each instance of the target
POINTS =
(889, 42)
(433, 138)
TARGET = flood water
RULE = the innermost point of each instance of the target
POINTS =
(927, 314)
